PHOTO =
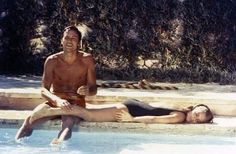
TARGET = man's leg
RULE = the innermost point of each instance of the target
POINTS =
(67, 125)
(25, 130)
(27, 126)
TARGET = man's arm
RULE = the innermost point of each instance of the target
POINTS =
(91, 77)
(91, 88)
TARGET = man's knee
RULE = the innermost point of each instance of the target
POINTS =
(68, 121)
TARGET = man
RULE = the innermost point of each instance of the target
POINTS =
(68, 77)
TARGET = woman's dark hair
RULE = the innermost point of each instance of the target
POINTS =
(75, 29)
(209, 114)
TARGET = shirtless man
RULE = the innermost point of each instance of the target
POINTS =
(68, 77)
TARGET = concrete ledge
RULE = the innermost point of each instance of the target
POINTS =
(23, 93)
(220, 103)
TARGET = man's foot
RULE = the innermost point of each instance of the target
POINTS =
(56, 142)
(25, 129)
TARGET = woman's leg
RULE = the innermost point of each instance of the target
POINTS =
(28, 125)
(93, 114)
(107, 114)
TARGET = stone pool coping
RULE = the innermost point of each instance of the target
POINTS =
(23, 93)
(19, 95)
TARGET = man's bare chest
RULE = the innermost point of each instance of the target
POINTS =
(70, 73)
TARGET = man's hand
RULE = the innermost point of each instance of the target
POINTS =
(64, 104)
(123, 116)
(83, 90)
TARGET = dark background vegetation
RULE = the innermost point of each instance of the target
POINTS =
(160, 40)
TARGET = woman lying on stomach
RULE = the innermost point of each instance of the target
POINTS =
(129, 111)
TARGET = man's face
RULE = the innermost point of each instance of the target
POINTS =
(70, 41)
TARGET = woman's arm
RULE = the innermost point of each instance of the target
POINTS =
(172, 118)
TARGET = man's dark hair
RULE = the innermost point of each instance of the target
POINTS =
(74, 28)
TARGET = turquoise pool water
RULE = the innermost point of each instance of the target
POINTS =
(115, 143)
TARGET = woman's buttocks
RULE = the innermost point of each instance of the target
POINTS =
(138, 108)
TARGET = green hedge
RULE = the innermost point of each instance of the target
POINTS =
(160, 40)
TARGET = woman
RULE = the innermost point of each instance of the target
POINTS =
(130, 111)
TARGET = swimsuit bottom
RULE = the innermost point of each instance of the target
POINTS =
(137, 108)
(74, 99)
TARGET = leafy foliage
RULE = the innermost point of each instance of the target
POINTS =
(160, 40)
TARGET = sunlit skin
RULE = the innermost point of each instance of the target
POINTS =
(198, 115)
(120, 113)
(68, 77)
(69, 71)
(73, 72)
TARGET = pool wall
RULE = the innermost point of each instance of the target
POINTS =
(18, 96)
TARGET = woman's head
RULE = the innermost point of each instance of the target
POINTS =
(199, 114)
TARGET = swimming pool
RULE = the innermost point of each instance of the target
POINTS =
(115, 143)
